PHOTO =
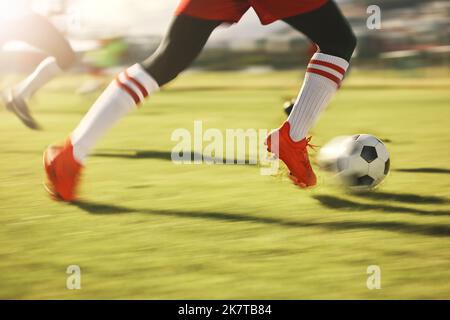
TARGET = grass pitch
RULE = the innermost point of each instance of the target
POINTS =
(147, 228)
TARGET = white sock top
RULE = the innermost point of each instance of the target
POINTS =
(137, 83)
(138, 72)
(331, 59)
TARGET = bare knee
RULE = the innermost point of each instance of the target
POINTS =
(66, 59)
(45, 36)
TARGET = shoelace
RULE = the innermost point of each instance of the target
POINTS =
(305, 154)
(310, 145)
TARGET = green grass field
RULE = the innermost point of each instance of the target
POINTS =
(147, 228)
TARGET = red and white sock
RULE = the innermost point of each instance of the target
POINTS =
(128, 90)
(323, 78)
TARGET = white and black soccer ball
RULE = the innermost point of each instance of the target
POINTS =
(365, 162)
(361, 162)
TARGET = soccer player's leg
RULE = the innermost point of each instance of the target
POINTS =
(182, 44)
(184, 41)
(38, 32)
(328, 28)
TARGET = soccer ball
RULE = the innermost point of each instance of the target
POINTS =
(361, 162)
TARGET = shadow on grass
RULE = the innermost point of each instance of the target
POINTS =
(138, 154)
(167, 156)
(343, 204)
(403, 227)
(281, 87)
(403, 197)
(222, 88)
(425, 170)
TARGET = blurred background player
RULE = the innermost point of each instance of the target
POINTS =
(107, 55)
(20, 23)
(194, 21)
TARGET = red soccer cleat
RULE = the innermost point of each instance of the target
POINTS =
(294, 155)
(63, 172)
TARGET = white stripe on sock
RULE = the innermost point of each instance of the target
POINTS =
(131, 85)
(138, 72)
(335, 73)
(315, 94)
(331, 59)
